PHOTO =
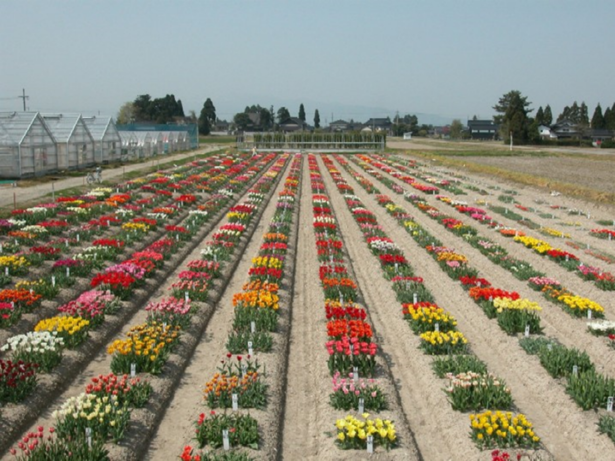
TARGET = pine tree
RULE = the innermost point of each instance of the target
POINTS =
(540, 116)
(598, 119)
(302, 113)
(513, 119)
(547, 117)
(609, 119)
(316, 119)
(583, 114)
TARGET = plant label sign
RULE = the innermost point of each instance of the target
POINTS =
(133, 370)
(186, 296)
(53, 281)
(575, 370)
(437, 327)
(609, 403)
(415, 298)
(225, 440)
(250, 349)
(527, 331)
(361, 405)
(370, 444)
(88, 436)
(235, 402)
(589, 313)
(252, 326)
(355, 374)
(68, 271)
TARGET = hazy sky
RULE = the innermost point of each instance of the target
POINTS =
(347, 58)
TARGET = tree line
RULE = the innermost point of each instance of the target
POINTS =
(513, 116)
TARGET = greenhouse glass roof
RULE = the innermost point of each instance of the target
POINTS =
(61, 125)
(98, 126)
(14, 126)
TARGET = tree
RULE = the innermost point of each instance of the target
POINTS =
(456, 129)
(316, 119)
(513, 119)
(301, 113)
(242, 121)
(547, 118)
(160, 110)
(283, 115)
(598, 119)
(204, 126)
(210, 111)
(583, 114)
(533, 134)
(540, 116)
(609, 118)
(126, 114)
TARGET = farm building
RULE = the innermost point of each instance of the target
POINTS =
(144, 143)
(482, 129)
(107, 141)
(27, 147)
(156, 141)
(74, 142)
(129, 142)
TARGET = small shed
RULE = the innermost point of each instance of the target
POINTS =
(107, 140)
(27, 147)
(73, 140)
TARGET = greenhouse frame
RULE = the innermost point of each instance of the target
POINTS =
(74, 142)
(107, 140)
(27, 146)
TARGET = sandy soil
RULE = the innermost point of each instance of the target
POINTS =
(587, 172)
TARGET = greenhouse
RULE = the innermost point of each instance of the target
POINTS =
(27, 147)
(170, 140)
(157, 142)
(107, 141)
(74, 142)
(129, 143)
(144, 143)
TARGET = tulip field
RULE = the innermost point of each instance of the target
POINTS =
(307, 306)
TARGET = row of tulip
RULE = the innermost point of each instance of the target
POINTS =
(470, 386)
(602, 279)
(351, 347)
(587, 388)
(518, 317)
(94, 256)
(573, 304)
(239, 384)
(148, 345)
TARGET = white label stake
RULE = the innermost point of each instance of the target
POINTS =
(88, 436)
(575, 370)
(225, 441)
(370, 443)
(527, 330)
(250, 350)
(252, 326)
(235, 402)
(133, 370)
(361, 405)
(609, 403)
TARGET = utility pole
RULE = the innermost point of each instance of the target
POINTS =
(24, 97)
